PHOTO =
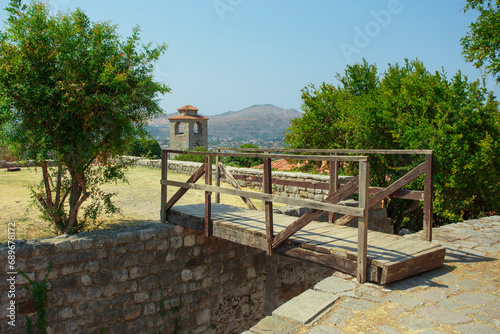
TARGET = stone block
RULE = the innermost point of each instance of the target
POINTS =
(306, 306)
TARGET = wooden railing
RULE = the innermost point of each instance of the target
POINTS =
(359, 184)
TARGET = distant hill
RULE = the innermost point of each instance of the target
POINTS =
(257, 121)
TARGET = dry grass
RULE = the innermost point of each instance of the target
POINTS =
(139, 201)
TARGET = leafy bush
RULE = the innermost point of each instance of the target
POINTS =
(148, 148)
(244, 161)
(193, 157)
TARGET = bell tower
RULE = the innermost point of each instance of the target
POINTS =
(188, 129)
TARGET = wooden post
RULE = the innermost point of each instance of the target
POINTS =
(217, 176)
(334, 185)
(164, 170)
(428, 197)
(364, 180)
(268, 206)
(208, 196)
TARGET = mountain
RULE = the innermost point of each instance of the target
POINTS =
(255, 122)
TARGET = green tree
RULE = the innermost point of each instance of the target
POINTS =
(71, 90)
(407, 107)
(147, 147)
(244, 161)
(481, 45)
(193, 157)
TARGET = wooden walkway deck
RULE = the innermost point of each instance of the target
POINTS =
(390, 257)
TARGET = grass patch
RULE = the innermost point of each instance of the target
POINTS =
(139, 201)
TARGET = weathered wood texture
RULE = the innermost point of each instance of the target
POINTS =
(177, 196)
(386, 192)
(345, 191)
(268, 205)
(428, 197)
(333, 186)
(164, 174)
(319, 242)
(208, 197)
(268, 197)
(232, 181)
(364, 184)
(326, 151)
(275, 156)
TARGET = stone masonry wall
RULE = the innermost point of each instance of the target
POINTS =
(108, 282)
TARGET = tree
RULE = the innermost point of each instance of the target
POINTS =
(148, 147)
(244, 161)
(481, 46)
(71, 90)
(193, 157)
(407, 107)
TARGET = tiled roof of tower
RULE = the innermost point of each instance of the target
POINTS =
(188, 107)
(187, 117)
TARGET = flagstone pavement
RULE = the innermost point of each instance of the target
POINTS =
(463, 296)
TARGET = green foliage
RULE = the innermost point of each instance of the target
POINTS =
(407, 107)
(72, 91)
(148, 148)
(481, 45)
(244, 161)
(39, 290)
(193, 157)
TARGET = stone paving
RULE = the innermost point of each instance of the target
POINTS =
(463, 296)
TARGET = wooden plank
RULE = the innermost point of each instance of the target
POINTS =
(340, 151)
(177, 196)
(164, 176)
(333, 185)
(323, 206)
(240, 237)
(424, 261)
(208, 197)
(428, 198)
(414, 195)
(364, 184)
(409, 177)
(276, 156)
(187, 220)
(234, 183)
(217, 177)
(268, 205)
(329, 260)
(343, 192)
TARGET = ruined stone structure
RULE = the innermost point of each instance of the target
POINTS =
(188, 129)
(128, 280)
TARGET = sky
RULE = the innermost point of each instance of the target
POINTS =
(231, 54)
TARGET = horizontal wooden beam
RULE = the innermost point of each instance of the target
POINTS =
(326, 151)
(342, 209)
(276, 156)
(342, 264)
(415, 195)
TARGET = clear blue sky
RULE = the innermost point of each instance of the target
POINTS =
(230, 54)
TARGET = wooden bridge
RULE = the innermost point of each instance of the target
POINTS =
(368, 255)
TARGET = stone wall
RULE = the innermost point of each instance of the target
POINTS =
(108, 282)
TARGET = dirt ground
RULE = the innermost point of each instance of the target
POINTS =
(139, 201)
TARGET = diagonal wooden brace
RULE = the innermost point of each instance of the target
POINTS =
(346, 190)
(230, 178)
(177, 196)
(386, 192)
